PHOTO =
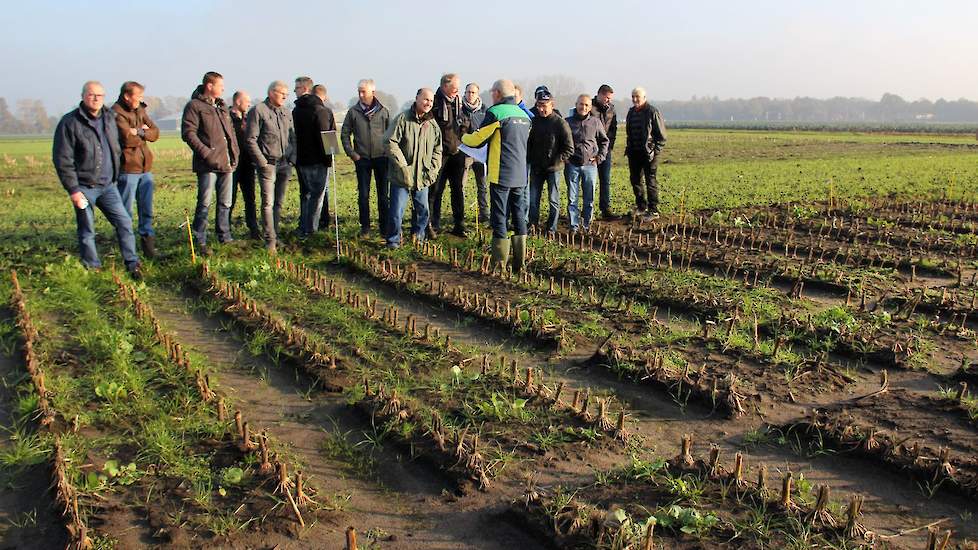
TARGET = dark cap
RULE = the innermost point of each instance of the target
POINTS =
(542, 94)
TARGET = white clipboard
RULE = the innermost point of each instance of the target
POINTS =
(331, 144)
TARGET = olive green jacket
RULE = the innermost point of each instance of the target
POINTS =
(414, 150)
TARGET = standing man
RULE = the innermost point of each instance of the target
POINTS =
(414, 150)
(590, 149)
(206, 128)
(363, 138)
(311, 116)
(475, 112)
(506, 129)
(447, 110)
(303, 86)
(604, 110)
(271, 144)
(645, 136)
(86, 157)
(549, 146)
(244, 175)
(136, 129)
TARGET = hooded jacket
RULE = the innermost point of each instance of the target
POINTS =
(363, 134)
(590, 141)
(311, 116)
(414, 150)
(271, 134)
(206, 128)
(77, 151)
(506, 129)
(550, 143)
(136, 156)
(645, 131)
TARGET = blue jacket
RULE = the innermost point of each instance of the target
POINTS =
(77, 151)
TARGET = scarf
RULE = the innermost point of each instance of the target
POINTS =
(369, 111)
(472, 107)
(450, 105)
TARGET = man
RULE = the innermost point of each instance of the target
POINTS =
(506, 129)
(311, 117)
(206, 128)
(244, 175)
(590, 149)
(645, 136)
(549, 146)
(136, 130)
(519, 101)
(303, 86)
(363, 137)
(536, 93)
(414, 150)
(604, 110)
(271, 144)
(86, 157)
(475, 112)
(447, 110)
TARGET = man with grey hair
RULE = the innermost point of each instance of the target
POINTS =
(475, 112)
(645, 136)
(363, 138)
(86, 156)
(271, 144)
(447, 110)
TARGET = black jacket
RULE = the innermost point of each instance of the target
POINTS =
(311, 117)
(645, 131)
(550, 143)
(77, 150)
(609, 118)
(240, 123)
(590, 141)
(452, 122)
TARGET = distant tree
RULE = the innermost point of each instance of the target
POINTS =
(34, 116)
(8, 122)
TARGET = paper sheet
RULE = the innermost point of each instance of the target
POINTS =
(480, 154)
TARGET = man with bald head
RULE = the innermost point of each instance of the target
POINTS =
(86, 156)
(271, 144)
(645, 134)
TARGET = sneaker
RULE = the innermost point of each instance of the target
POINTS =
(136, 272)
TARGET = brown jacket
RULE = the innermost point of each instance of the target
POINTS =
(207, 129)
(136, 156)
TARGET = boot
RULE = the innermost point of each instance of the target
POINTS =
(149, 246)
(500, 252)
(519, 252)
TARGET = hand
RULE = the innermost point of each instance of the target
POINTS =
(133, 131)
(355, 157)
(145, 127)
(79, 200)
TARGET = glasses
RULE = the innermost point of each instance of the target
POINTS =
(94, 95)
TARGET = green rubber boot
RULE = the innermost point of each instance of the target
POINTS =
(500, 252)
(519, 253)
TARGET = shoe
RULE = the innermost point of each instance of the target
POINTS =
(432, 233)
(609, 215)
(392, 246)
(519, 253)
(483, 218)
(650, 215)
(148, 243)
(254, 234)
(270, 248)
(203, 251)
(364, 232)
(136, 272)
(459, 231)
(500, 252)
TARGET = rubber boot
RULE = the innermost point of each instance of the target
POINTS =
(519, 253)
(500, 252)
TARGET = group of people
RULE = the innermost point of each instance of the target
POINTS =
(102, 159)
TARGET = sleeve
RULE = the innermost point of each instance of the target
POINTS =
(153, 132)
(436, 157)
(658, 130)
(251, 140)
(566, 141)
(63, 155)
(393, 144)
(126, 138)
(603, 141)
(612, 131)
(188, 131)
(346, 133)
(479, 137)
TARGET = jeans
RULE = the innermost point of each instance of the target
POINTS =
(140, 188)
(604, 184)
(378, 167)
(507, 203)
(244, 179)
(481, 185)
(639, 168)
(419, 213)
(206, 183)
(536, 193)
(315, 189)
(108, 200)
(580, 180)
(274, 180)
(452, 172)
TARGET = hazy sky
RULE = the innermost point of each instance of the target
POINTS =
(782, 48)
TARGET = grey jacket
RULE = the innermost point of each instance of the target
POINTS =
(367, 133)
(590, 141)
(271, 135)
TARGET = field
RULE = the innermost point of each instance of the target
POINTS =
(786, 360)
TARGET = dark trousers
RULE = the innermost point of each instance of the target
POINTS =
(452, 173)
(507, 203)
(244, 179)
(378, 167)
(604, 184)
(642, 168)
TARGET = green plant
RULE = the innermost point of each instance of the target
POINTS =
(685, 520)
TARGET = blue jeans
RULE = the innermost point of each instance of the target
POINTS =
(580, 180)
(378, 167)
(273, 180)
(604, 184)
(507, 203)
(206, 184)
(108, 200)
(139, 187)
(536, 193)
(419, 213)
(315, 189)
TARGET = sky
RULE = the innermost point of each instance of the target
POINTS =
(676, 50)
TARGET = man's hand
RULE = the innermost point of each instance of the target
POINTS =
(355, 157)
(133, 131)
(79, 200)
(145, 127)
